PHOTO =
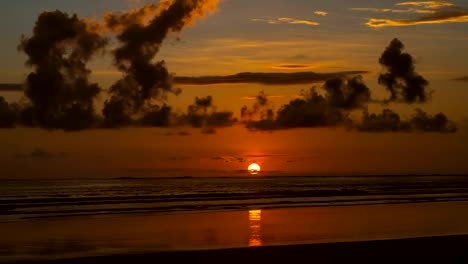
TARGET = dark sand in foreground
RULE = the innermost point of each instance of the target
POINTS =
(447, 249)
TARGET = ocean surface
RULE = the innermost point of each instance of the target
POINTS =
(27, 199)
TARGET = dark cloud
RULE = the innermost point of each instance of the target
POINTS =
(11, 87)
(422, 121)
(462, 79)
(400, 78)
(60, 93)
(181, 133)
(229, 159)
(389, 121)
(260, 108)
(145, 80)
(40, 153)
(9, 114)
(347, 93)
(202, 114)
(157, 116)
(313, 110)
(261, 115)
(265, 78)
(209, 130)
(291, 66)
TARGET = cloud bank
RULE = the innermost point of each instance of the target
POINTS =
(331, 105)
(61, 96)
(265, 78)
(10, 87)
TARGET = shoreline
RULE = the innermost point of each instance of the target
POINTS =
(441, 248)
(236, 232)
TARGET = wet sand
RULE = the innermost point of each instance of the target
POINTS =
(253, 236)
(449, 249)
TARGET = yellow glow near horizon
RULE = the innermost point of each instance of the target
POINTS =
(254, 168)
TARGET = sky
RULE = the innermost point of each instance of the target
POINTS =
(273, 36)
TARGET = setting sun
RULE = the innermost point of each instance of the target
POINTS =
(254, 168)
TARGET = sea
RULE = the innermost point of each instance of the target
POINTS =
(21, 200)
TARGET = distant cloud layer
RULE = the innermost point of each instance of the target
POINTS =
(265, 78)
(462, 79)
(287, 20)
(10, 87)
(291, 66)
(436, 12)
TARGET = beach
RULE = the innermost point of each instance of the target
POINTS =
(324, 234)
(449, 249)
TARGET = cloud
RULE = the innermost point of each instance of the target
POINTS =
(8, 114)
(41, 153)
(265, 78)
(389, 121)
(141, 33)
(427, 4)
(287, 20)
(391, 10)
(400, 78)
(11, 87)
(291, 67)
(253, 98)
(203, 114)
(229, 159)
(437, 18)
(60, 93)
(181, 133)
(347, 94)
(321, 13)
(437, 12)
(209, 130)
(260, 110)
(462, 79)
(330, 109)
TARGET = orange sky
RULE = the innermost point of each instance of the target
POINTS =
(258, 36)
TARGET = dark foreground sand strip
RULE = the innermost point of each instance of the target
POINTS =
(448, 249)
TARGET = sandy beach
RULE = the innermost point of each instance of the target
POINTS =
(449, 249)
(253, 236)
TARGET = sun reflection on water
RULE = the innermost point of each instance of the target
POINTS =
(255, 228)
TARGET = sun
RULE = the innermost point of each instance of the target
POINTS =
(254, 168)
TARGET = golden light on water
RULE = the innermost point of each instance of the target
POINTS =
(254, 168)
(255, 228)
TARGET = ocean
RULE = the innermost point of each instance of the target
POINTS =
(21, 200)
